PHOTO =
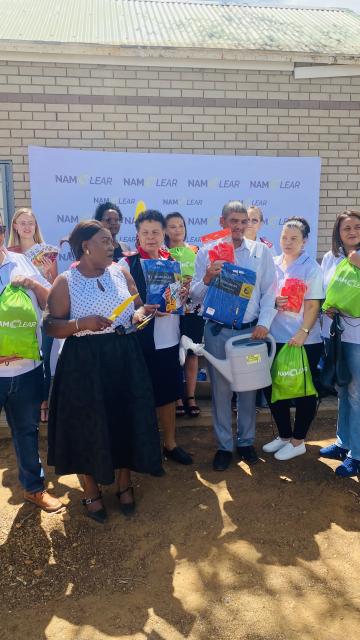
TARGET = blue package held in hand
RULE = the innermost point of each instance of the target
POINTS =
(228, 295)
(163, 284)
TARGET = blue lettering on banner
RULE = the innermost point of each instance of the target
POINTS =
(134, 182)
(128, 220)
(130, 239)
(193, 203)
(83, 179)
(126, 201)
(98, 200)
(198, 221)
(166, 182)
(290, 184)
(66, 179)
(66, 257)
(259, 184)
(170, 202)
(259, 203)
(198, 183)
(66, 218)
(229, 184)
(100, 180)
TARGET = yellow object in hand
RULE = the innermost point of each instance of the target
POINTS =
(115, 314)
(140, 208)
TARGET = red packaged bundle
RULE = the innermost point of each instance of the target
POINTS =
(221, 246)
(295, 290)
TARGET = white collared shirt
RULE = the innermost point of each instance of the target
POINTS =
(16, 264)
(350, 325)
(287, 323)
(250, 255)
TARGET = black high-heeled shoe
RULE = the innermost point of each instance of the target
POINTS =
(100, 515)
(126, 508)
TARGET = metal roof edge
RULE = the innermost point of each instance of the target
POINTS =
(111, 54)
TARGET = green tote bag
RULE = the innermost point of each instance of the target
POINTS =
(291, 375)
(343, 292)
(18, 323)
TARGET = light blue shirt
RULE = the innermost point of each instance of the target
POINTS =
(250, 255)
(287, 323)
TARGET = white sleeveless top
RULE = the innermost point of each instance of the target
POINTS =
(98, 296)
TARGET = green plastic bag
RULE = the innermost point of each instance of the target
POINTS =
(186, 257)
(18, 322)
(291, 375)
(343, 292)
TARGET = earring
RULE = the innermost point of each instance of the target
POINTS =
(87, 252)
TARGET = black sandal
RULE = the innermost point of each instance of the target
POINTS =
(180, 411)
(127, 509)
(192, 410)
(100, 515)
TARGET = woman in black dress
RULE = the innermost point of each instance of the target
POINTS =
(102, 412)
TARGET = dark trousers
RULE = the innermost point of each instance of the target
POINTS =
(21, 397)
(305, 408)
(46, 346)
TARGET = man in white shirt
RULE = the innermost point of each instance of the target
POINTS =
(257, 320)
(21, 381)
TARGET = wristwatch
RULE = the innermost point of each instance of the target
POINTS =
(304, 329)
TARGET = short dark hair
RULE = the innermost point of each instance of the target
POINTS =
(336, 240)
(233, 206)
(299, 223)
(105, 206)
(174, 214)
(258, 210)
(83, 231)
(151, 215)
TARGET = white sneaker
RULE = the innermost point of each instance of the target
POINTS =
(289, 451)
(274, 445)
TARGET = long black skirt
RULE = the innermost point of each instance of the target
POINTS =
(102, 413)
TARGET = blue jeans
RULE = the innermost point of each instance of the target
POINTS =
(21, 397)
(46, 346)
(222, 394)
(348, 424)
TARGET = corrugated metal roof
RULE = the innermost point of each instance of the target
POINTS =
(154, 23)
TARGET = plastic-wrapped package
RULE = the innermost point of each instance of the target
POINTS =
(38, 252)
(163, 284)
(186, 257)
(228, 295)
(295, 290)
(221, 246)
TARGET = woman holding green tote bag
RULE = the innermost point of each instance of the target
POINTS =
(296, 329)
(345, 255)
(23, 293)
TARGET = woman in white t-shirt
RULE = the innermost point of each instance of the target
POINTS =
(345, 244)
(160, 338)
(25, 237)
(298, 328)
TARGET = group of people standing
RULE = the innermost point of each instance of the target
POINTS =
(118, 374)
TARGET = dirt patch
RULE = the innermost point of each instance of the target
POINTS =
(271, 552)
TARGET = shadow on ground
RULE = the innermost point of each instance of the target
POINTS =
(268, 552)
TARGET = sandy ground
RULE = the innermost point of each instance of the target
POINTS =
(271, 552)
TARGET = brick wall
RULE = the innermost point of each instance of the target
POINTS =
(184, 110)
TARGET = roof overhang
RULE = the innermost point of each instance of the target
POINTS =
(196, 57)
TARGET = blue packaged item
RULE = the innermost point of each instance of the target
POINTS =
(228, 295)
(163, 284)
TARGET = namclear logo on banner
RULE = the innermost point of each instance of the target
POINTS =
(67, 185)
